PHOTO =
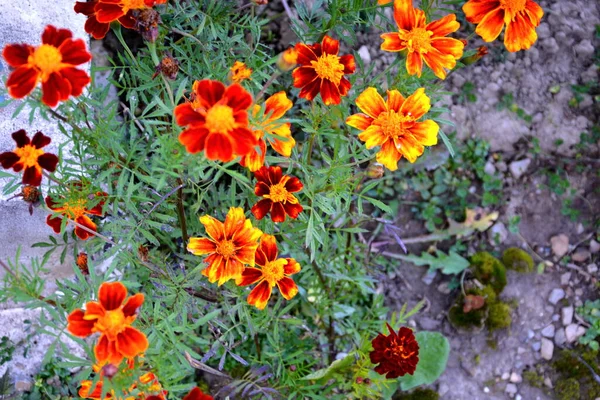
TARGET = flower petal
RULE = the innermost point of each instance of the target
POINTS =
(201, 246)
(310, 91)
(443, 26)
(249, 276)
(21, 138)
(194, 139)
(359, 121)
(112, 295)
(305, 54)
(208, 92)
(450, 46)
(476, 10)
(78, 326)
(214, 227)
(491, 25)
(133, 304)
(32, 176)
(292, 267)
(534, 11)
(259, 296)
(74, 52)
(416, 105)
(186, 115)
(243, 141)
(22, 81)
(349, 63)
(414, 63)
(409, 148)
(404, 14)
(520, 34)
(55, 37)
(17, 54)
(277, 212)
(303, 76)
(373, 136)
(287, 287)
(371, 103)
(330, 93)
(54, 222)
(237, 97)
(425, 132)
(48, 162)
(394, 100)
(293, 185)
(77, 78)
(330, 45)
(391, 42)
(261, 208)
(293, 210)
(234, 221)
(389, 155)
(131, 342)
(219, 147)
(93, 311)
(106, 351)
(277, 105)
(8, 159)
(439, 62)
(81, 233)
(268, 245)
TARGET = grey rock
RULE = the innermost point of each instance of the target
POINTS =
(429, 324)
(565, 278)
(594, 246)
(364, 54)
(592, 269)
(505, 376)
(567, 315)
(502, 167)
(536, 346)
(548, 382)
(556, 295)
(443, 389)
(459, 80)
(515, 378)
(550, 45)
(560, 245)
(581, 256)
(444, 288)
(573, 332)
(548, 331)
(429, 277)
(489, 168)
(498, 233)
(560, 337)
(584, 49)
(543, 31)
(511, 389)
(547, 349)
(518, 168)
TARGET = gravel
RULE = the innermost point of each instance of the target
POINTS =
(556, 295)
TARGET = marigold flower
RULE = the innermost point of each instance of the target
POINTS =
(75, 209)
(287, 59)
(521, 17)
(393, 125)
(273, 271)
(423, 41)
(52, 63)
(216, 121)
(397, 354)
(276, 190)
(82, 263)
(197, 394)
(322, 71)
(30, 157)
(112, 317)
(239, 72)
(148, 383)
(230, 245)
(146, 23)
(275, 107)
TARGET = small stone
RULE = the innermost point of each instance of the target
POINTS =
(555, 318)
(530, 334)
(556, 295)
(502, 167)
(498, 233)
(429, 324)
(567, 315)
(548, 331)
(511, 389)
(579, 292)
(560, 338)
(518, 168)
(560, 245)
(594, 247)
(459, 80)
(444, 288)
(443, 389)
(548, 382)
(547, 349)
(505, 376)
(565, 278)
(429, 277)
(489, 168)
(581, 256)
(592, 269)
(515, 378)
(486, 389)
(584, 49)
(521, 350)
(536, 346)
(363, 52)
(543, 31)
(518, 397)
(23, 386)
(573, 332)
(580, 228)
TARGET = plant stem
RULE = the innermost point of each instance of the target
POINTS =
(181, 212)
(267, 84)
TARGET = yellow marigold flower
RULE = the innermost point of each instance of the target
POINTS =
(239, 72)
(393, 125)
(229, 246)
(268, 123)
(287, 59)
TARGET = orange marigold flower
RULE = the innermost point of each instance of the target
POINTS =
(216, 121)
(276, 190)
(275, 107)
(230, 245)
(52, 63)
(82, 263)
(393, 125)
(397, 354)
(287, 59)
(521, 17)
(197, 394)
(75, 209)
(273, 271)
(148, 383)
(383, 2)
(112, 317)
(423, 41)
(239, 72)
(30, 157)
(322, 71)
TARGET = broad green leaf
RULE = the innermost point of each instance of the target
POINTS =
(434, 349)
(335, 366)
(448, 264)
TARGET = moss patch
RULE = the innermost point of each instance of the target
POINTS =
(418, 394)
(570, 368)
(518, 260)
(489, 270)
(498, 316)
(568, 389)
(533, 378)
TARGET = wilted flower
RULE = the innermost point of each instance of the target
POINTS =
(82, 263)
(239, 72)
(146, 23)
(397, 354)
(52, 63)
(168, 66)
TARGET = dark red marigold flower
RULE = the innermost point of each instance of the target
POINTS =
(52, 63)
(276, 190)
(397, 354)
(322, 71)
(197, 394)
(30, 157)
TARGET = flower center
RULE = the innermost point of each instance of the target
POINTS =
(273, 271)
(112, 323)
(328, 67)
(514, 6)
(28, 155)
(392, 123)
(418, 39)
(219, 118)
(127, 5)
(226, 248)
(47, 59)
(278, 193)
(75, 208)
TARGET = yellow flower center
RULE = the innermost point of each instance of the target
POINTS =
(219, 118)
(75, 208)
(328, 67)
(127, 5)
(278, 193)
(418, 39)
(112, 323)
(226, 248)
(47, 59)
(29, 155)
(514, 6)
(392, 123)
(273, 271)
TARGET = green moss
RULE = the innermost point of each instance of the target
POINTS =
(518, 260)
(418, 394)
(498, 316)
(472, 320)
(568, 389)
(492, 343)
(489, 270)
(533, 378)
(570, 368)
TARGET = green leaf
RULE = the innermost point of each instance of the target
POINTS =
(335, 366)
(449, 264)
(434, 349)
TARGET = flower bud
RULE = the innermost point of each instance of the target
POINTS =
(481, 51)
(375, 170)
(359, 380)
(287, 59)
